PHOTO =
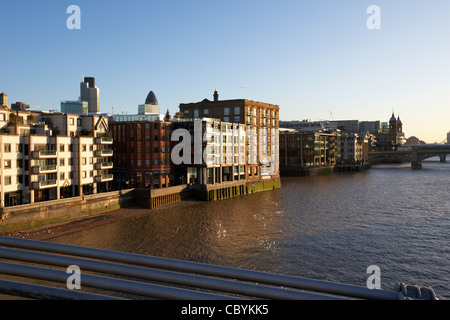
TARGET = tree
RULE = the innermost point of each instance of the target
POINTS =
(179, 115)
(167, 117)
(414, 140)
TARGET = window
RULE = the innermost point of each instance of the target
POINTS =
(237, 111)
(196, 113)
(79, 123)
(156, 162)
(84, 174)
(7, 164)
(19, 148)
(61, 176)
(7, 147)
(19, 179)
(61, 162)
(226, 111)
(226, 119)
(83, 147)
(61, 148)
(237, 119)
(83, 161)
(71, 121)
(7, 180)
(206, 111)
(19, 163)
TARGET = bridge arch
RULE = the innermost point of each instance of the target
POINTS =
(422, 152)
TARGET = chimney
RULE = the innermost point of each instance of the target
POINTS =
(216, 96)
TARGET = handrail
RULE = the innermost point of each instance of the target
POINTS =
(218, 282)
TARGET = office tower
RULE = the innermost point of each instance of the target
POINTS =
(151, 105)
(74, 107)
(90, 93)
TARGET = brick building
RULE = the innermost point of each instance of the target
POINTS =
(142, 151)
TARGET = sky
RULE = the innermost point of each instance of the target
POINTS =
(317, 60)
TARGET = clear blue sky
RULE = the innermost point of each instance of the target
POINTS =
(316, 59)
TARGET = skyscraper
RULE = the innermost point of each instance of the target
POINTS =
(90, 93)
(151, 105)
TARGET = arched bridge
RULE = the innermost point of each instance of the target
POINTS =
(415, 153)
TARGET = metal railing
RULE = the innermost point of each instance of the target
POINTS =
(125, 275)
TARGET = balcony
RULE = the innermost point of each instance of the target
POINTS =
(43, 184)
(103, 140)
(103, 166)
(43, 169)
(104, 177)
(103, 153)
(43, 154)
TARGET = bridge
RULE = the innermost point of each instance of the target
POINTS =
(40, 270)
(414, 153)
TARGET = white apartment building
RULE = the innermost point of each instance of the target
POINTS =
(354, 148)
(218, 150)
(49, 156)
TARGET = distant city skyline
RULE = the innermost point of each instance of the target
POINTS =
(316, 60)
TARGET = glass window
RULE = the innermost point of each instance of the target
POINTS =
(226, 111)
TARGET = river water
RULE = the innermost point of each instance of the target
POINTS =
(328, 228)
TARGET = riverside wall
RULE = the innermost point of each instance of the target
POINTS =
(35, 214)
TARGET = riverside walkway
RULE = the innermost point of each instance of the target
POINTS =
(105, 274)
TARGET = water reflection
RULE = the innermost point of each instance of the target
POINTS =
(329, 228)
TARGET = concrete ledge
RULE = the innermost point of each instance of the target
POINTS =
(35, 214)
